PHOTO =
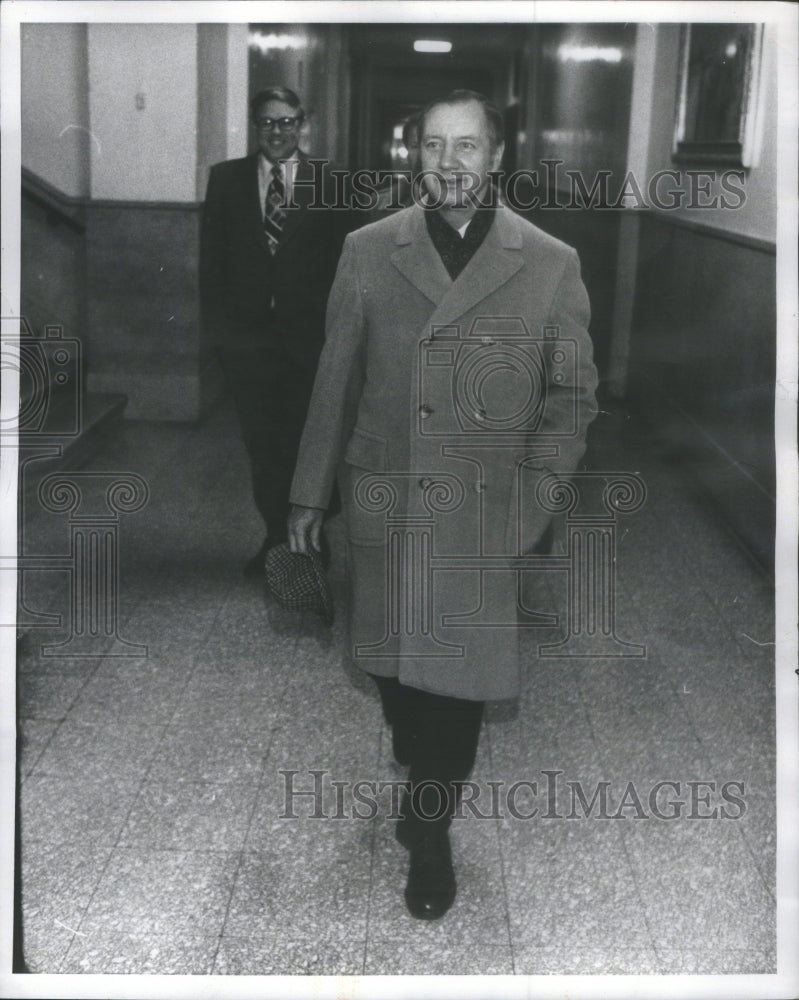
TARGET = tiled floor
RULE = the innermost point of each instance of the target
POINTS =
(152, 788)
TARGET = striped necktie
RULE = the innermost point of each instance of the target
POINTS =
(274, 213)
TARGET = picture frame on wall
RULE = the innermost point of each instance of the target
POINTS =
(718, 94)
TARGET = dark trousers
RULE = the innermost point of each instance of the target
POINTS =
(442, 733)
(271, 393)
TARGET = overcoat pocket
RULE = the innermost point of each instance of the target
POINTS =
(365, 453)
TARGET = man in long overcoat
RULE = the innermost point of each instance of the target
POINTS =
(457, 373)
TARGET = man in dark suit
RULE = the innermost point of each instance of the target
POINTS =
(267, 259)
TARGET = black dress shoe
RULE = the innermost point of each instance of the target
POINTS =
(254, 567)
(431, 880)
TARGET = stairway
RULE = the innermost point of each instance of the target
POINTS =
(61, 428)
(58, 420)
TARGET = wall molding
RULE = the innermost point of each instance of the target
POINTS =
(71, 209)
(705, 229)
(60, 208)
(161, 206)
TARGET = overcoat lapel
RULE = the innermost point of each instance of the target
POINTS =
(417, 259)
(494, 263)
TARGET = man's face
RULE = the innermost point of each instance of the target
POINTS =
(456, 139)
(275, 143)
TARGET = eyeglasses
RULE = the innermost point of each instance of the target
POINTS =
(284, 124)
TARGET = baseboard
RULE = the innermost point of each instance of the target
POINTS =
(174, 397)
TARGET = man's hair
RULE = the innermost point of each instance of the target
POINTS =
(493, 116)
(414, 122)
(275, 94)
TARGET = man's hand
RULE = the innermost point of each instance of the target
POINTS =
(304, 528)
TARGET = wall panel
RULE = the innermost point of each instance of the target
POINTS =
(702, 365)
(144, 309)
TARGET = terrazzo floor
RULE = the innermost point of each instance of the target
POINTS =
(152, 786)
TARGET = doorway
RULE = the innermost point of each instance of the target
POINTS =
(391, 81)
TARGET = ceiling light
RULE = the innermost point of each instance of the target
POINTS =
(431, 45)
(589, 53)
(272, 42)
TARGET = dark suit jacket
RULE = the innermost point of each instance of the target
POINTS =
(250, 297)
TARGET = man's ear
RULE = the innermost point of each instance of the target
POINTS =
(497, 156)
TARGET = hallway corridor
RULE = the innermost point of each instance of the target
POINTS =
(151, 786)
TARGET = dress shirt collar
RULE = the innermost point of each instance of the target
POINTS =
(289, 172)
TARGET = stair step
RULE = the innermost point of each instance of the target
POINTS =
(99, 421)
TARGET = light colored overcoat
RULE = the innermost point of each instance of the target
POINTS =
(441, 405)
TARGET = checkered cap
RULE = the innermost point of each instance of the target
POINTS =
(298, 582)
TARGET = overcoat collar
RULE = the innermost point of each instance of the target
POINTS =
(494, 262)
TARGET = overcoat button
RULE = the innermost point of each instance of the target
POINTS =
(479, 486)
(480, 414)
(425, 411)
